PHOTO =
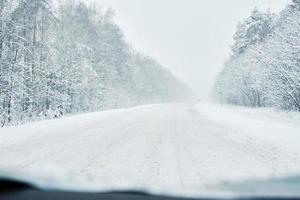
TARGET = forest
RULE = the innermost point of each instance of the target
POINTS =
(264, 68)
(72, 58)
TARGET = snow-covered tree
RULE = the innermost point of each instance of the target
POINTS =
(252, 30)
(265, 67)
(71, 59)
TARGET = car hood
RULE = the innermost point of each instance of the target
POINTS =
(281, 187)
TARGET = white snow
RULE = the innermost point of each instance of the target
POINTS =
(164, 147)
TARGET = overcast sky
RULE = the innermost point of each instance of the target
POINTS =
(192, 38)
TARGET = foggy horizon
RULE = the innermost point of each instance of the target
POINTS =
(195, 50)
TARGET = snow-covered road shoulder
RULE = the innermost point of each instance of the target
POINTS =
(268, 124)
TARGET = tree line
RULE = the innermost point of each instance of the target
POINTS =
(264, 69)
(72, 59)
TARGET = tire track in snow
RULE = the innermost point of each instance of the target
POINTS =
(170, 145)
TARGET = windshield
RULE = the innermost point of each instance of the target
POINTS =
(177, 97)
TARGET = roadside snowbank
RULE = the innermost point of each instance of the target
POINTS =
(267, 124)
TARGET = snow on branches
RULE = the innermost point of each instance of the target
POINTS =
(264, 69)
(71, 59)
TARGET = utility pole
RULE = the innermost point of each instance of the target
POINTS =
(221, 95)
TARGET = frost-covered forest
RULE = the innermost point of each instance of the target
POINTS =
(264, 69)
(72, 59)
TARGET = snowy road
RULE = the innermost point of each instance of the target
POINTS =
(175, 145)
